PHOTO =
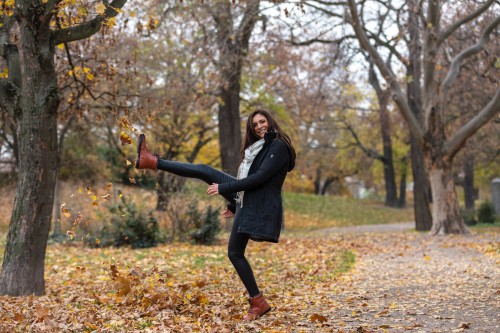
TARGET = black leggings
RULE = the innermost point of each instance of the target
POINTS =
(237, 241)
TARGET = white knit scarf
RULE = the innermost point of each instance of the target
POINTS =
(250, 154)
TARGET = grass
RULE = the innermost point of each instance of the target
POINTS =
(308, 211)
(345, 261)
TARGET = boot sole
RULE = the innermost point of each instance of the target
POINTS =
(268, 310)
(139, 144)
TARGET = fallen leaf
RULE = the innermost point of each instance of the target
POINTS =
(125, 138)
(318, 318)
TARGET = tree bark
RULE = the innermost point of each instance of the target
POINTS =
(328, 181)
(391, 195)
(23, 264)
(421, 187)
(402, 183)
(468, 184)
(233, 47)
(57, 230)
(167, 185)
(33, 101)
(317, 181)
(445, 212)
(229, 125)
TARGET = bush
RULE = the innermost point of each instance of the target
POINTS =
(486, 213)
(469, 217)
(129, 226)
(207, 225)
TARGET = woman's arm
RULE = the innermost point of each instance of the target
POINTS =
(276, 158)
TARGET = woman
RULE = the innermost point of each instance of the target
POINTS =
(254, 196)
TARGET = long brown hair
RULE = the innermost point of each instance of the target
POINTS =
(251, 137)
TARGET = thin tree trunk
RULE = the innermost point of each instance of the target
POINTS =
(233, 47)
(391, 195)
(468, 184)
(421, 188)
(402, 184)
(317, 181)
(168, 184)
(57, 230)
(328, 181)
(229, 123)
(421, 197)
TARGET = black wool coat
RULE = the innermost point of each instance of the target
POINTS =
(261, 215)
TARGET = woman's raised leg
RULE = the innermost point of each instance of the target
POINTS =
(210, 175)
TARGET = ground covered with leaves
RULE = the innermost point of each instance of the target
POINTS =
(323, 282)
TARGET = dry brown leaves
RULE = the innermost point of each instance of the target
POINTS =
(404, 282)
(178, 288)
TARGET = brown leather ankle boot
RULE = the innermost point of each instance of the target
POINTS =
(258, 307)
(145, 159)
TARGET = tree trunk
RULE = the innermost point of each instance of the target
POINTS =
(446, 217)
(468, 184)
(167, 185)
(233, 47)
(328, 181)
(421, 197)
(421, 192)
(402, 184)
(57, 234)
(23, 263)
(229, 124)
(317, 181)
(391, 195)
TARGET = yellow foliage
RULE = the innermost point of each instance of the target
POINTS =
(110, 22)
(100, 9)
(4, 74)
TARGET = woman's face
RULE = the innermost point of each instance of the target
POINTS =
(260, 125)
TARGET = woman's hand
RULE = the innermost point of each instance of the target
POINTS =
(213, 189)
(227, 213)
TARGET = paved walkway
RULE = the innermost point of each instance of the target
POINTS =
(393, 227)
(412, 282)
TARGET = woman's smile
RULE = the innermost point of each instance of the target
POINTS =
(260, 125)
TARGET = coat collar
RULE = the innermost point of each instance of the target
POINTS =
(270, 136)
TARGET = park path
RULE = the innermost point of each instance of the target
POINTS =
(405, 281)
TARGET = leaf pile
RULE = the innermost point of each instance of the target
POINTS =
(178, 287)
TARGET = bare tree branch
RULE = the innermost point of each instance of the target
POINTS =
(328, 3)
(398, 95)
(319, 40)
(368, 152)
(457, 61)
(247, 23)
(458, 140)
(389, 47)
(459, 23)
